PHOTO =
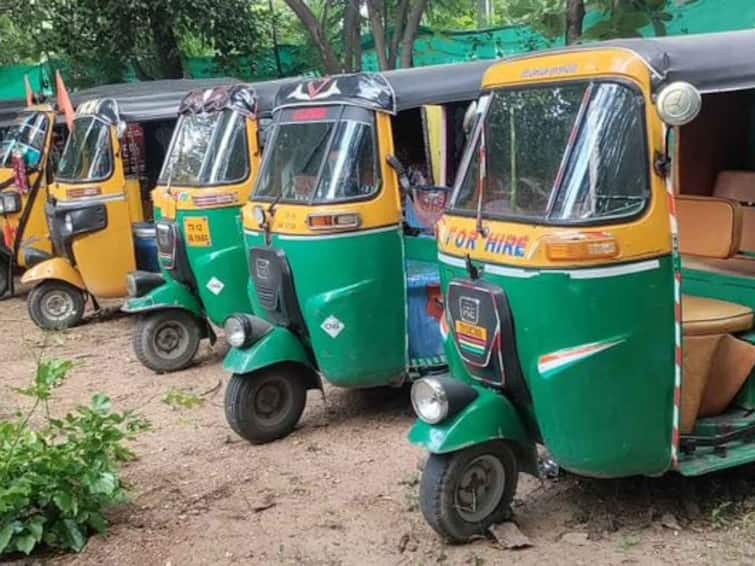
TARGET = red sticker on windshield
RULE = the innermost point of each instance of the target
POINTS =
(315, 113)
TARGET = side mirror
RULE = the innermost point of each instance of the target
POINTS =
(469, 117)
(400, 170)
(678, 103)
(121, 128)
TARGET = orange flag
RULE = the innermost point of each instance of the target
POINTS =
(64, 102)
(29, 91)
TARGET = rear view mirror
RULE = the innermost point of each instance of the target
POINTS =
(400, 170)
(678, 103)
(469, 117)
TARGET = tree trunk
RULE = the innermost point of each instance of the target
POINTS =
(352, 47)
(376, 13)
(575, 15)
(274, 27)
(410, 32)
(327, 53)
(166, 44)
(399, 20)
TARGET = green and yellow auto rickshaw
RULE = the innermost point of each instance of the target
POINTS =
(339, 233)
(99, 211)
(598, 275)
(207, 175)
(28, 153)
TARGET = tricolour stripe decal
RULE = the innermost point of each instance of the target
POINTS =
(568, 356)
(350, 234)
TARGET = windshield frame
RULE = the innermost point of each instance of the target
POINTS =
(22, 116)
(167, 181)
(342, 108)
(478, 134)
(111, 151)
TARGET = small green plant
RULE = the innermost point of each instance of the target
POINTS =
(181, 399)
(58, 478)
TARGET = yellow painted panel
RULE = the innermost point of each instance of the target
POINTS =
(381, 210)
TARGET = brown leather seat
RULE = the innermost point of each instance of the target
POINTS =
(739, 266)
(702, 316)
(739, 186)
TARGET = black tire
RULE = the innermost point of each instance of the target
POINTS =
(4, 276)
(56, 305)
(442, 499)
(167, 340)
(279, 389)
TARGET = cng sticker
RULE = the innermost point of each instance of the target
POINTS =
(215, 286)
(332, 326)
(197, 230)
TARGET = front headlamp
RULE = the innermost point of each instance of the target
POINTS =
(238, 330)
(429, 400)
(10, 202)
(437, 398)
(68, 223)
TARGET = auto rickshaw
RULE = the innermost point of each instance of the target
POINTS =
(339, 233)
(206, 177)
(28, 153)
(598, 275)
(99, 201)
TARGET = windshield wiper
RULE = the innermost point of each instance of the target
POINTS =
(481, 181)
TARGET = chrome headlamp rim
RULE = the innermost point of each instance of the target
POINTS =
(238, 330)
(437, 394)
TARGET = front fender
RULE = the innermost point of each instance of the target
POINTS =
(491, 416)
(55, 268)
(278, 345)
(169, 295)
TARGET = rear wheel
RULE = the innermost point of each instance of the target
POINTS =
(265, 405)
(167, 340)
(463, 493)
(56, 305)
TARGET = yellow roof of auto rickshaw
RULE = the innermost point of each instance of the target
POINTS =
(712, 62)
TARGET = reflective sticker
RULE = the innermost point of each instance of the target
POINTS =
(215, 286)
(332, 326)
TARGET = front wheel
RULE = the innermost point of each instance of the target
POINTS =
(463, 493)
(265, 405)
(167, 340)
(56, 305)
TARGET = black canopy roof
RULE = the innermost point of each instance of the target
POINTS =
(147, 100)
(713, 62)
(390, 91)
(9, 110)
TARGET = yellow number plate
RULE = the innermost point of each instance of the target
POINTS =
(479, 332)
(197, 230)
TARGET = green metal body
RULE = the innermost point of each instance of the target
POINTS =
(220, 271)
(359, 279)
(170, 295)
(490, 417)
(278, 345)
(609, 414)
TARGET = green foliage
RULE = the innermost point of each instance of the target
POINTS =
(57, 479)
(180, 399)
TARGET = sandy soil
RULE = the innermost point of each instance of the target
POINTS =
(343, 488)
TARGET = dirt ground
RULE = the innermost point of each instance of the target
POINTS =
(343, 488)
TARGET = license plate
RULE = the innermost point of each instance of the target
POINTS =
(479, 332)
(197, 230)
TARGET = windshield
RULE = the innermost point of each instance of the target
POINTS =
(207, 149)
(319, 155)
(87, 155)
(27, 137)
(558, 154)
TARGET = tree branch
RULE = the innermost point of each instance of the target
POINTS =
(376, 15)
(310, 21)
